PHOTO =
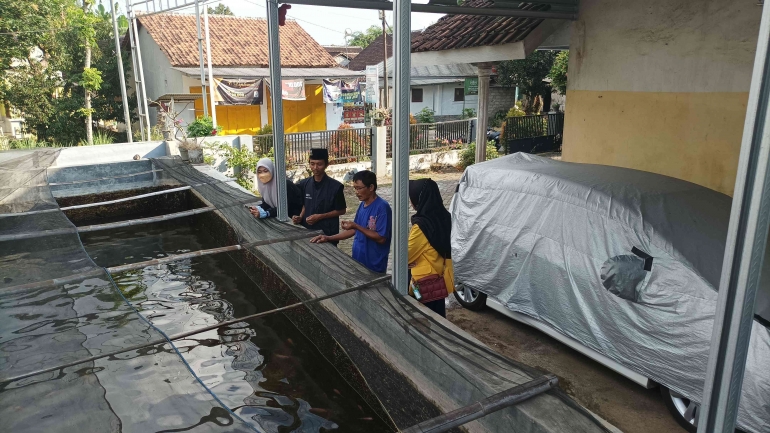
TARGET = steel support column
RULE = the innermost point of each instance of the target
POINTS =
(485, 70)
(121, 74)
(274, 51)
(200, 57)
(401, 72)
(211, 68)
(141, 91)
(744, 252)
(135, 69)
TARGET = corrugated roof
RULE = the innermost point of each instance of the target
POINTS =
(308, 73)
(461, 70)
(466, 31)
(342, 49)
(235, 41)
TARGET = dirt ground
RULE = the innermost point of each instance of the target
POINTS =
(618, 400)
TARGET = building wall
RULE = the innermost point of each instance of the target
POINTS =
(661, 86)
(159, 78)
(500, 99)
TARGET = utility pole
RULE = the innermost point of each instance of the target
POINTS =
(385, 63)
(89, 115)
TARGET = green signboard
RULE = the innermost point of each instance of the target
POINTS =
(471, 86)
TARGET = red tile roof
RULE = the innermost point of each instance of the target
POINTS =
(235, 41)
(465, 31)
(374, 53)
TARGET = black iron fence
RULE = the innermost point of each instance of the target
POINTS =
(344, 145)
(532, 134)
(428, 137)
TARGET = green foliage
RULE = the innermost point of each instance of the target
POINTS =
(203, 127)
(221, 9)
(363, 39)
(49, 89)
(425, 116)
(348, 146)
(265, 130)
(558, 73)
(468, 155)
(528, 74)
(243, 161)
(497, 120)
(516, 110)
(92, 79)
(468, 113)
(100, 137)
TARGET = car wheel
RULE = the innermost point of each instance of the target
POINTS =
(685, 412)
(471, 299)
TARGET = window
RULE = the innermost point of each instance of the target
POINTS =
(416, 95)
(459, 94)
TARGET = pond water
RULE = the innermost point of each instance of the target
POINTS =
(265, 370)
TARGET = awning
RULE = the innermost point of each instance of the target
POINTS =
(307, 73)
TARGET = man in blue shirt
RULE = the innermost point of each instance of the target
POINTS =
(371, 226)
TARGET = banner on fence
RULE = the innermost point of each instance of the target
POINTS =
(239, 92)
(472, 86)
(372, 85)
(293, 89)
(342, 91)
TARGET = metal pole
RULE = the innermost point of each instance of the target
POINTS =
(402, 67)
(384, 65)
(200, 57)
(744, 253)
(121, 74)
(211, 68)
(482, 408)
(274, 51)
(484, 70)
(135, 68)
(141, 78)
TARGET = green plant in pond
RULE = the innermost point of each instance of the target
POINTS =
(425, 116)
(468, 155)
(203, 127)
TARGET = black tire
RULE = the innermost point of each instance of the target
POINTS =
(478, 300)
(678, 406)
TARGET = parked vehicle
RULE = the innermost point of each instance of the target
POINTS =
(619, 264)
(493, 135)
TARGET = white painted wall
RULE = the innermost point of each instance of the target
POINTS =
(333, 116)
(159, 78)
(440, 98)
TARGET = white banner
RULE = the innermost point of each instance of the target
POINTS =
(372, 85)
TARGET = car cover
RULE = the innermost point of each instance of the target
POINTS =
(623, 261)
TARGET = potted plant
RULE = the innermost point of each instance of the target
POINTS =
(379, 116)
(191, 151)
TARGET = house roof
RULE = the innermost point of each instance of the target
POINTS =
(442, 72)
(252, 73)
(372, 54)
(466, 31)
(347, 51)
(235, 41)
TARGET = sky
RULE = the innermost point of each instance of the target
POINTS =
(325, 24)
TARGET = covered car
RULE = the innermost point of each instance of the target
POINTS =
(624, 262)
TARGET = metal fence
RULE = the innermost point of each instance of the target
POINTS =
(531, 134)
(427, 137)
(344, 145)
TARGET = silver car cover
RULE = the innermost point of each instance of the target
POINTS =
(623, 261)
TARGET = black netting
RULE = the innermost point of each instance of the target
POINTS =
(58, 309)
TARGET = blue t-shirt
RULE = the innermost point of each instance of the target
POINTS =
(376, 216)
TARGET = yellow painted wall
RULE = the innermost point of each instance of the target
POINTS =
(694, 136)
(302, 116)
(234, 119)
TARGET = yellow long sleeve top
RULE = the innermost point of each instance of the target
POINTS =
(424, 260)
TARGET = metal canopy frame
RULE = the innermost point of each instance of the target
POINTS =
(559, 9)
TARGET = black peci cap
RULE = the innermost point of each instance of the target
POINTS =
(319, 154)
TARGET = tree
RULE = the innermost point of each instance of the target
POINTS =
(558, 73)
(221, 9)
(51, 89)
(363, 39)
(528, 74)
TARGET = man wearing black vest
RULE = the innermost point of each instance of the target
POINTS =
(324, 197)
